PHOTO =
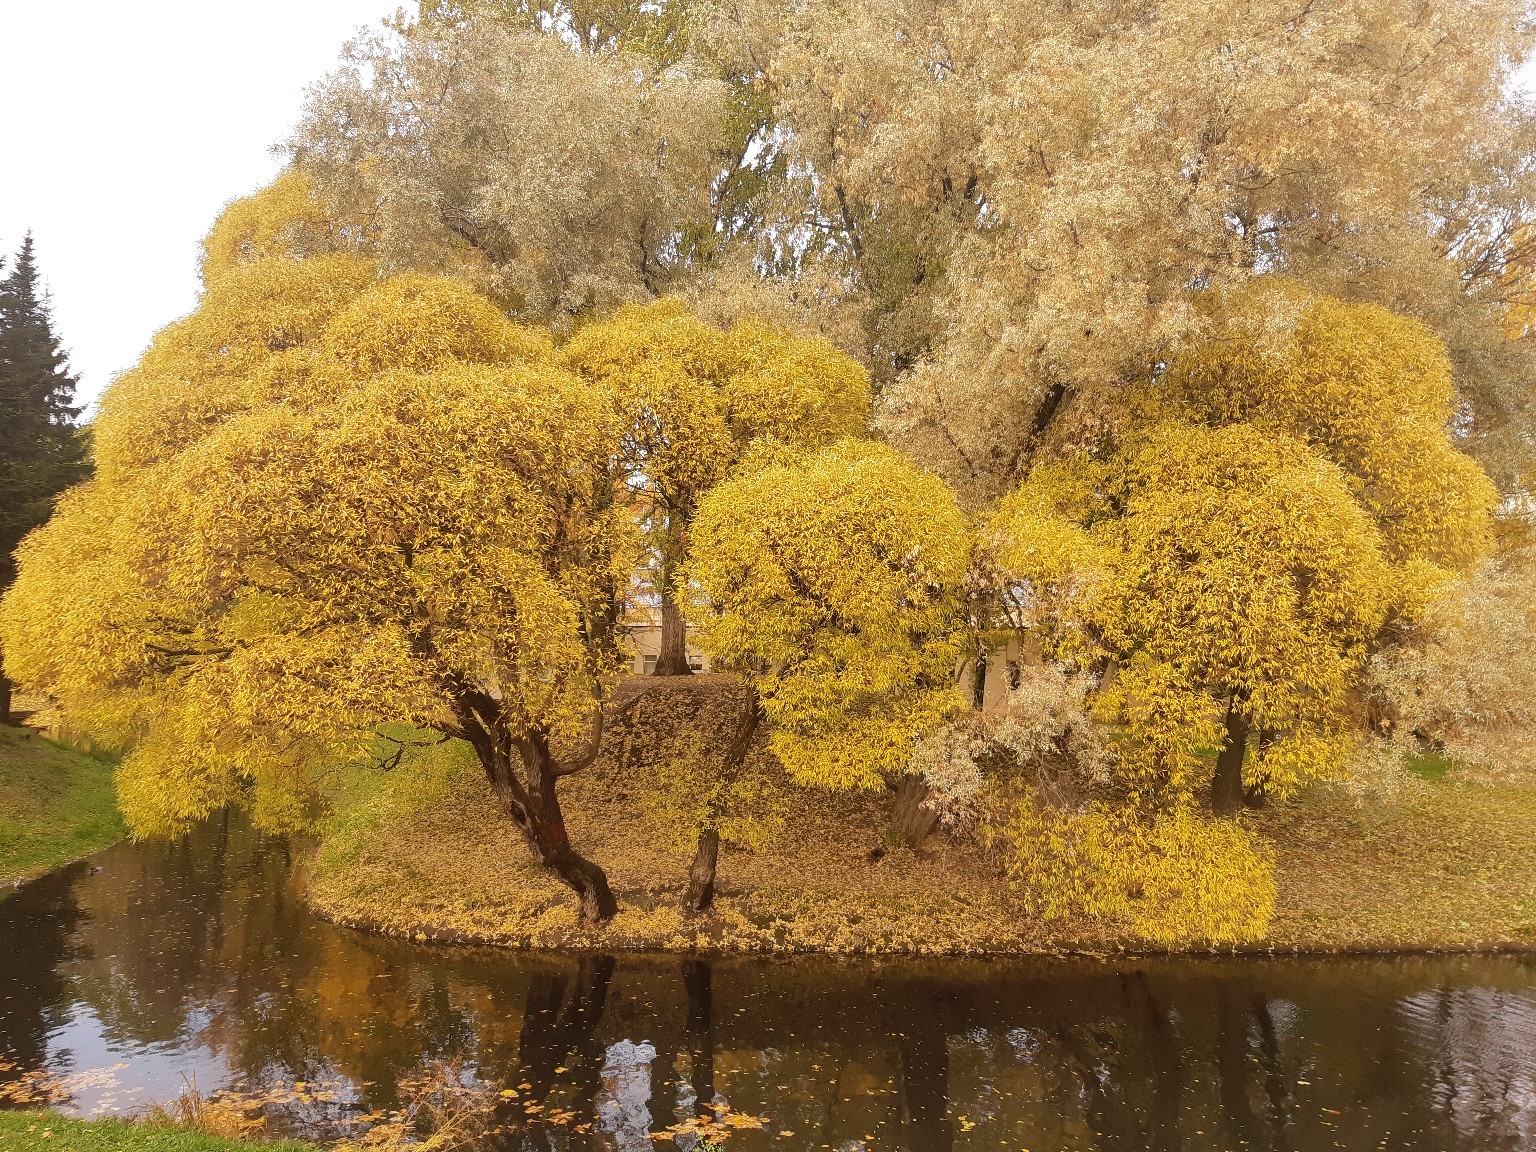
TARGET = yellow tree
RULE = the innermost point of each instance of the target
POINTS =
(281, 220)
(1370, 390)
(690, 400)
(835, 583)
(332, 507)
(1233, 582)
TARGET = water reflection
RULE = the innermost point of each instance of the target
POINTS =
(158, 961)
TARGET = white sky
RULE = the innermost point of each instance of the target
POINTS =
(127, 126)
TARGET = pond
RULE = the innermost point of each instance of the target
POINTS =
(127, 975)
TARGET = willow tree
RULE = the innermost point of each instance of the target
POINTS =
(331, 507)
(1372, 391)
(1298, 479)
(1235, 583)
(557, 179)
(1031, 195)
(690, 401)
(835, 584)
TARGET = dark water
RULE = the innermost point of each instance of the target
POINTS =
(155, 962)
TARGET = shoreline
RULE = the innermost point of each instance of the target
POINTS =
(58, 806)
(444, 937)
(1436, 866)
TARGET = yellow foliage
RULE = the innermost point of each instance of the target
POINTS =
(835, 583)
(1170, 878)
(295, 539)
(1370, 390)
(281, 220)
(692, 401)
(797, 389)
(235, 353)
(1210, 565)
(416, 323)
(692, 398)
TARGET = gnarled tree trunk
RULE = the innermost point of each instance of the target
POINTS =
(701, 873)
(912, 821)
(1227, 784)
(524, 776)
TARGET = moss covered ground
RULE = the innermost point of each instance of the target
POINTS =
(47, 1132)
(1444, 863)
(56, 805)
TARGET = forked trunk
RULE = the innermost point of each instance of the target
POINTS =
(534, 806)
(1227, 784)
(672, 660)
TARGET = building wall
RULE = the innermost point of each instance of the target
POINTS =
(643, 631)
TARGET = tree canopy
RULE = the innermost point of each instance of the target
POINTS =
(390, 508)
(1195, 340)
(835, 583)
(690, 400)
(42, 450)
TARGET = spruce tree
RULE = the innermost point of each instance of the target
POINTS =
(42, 449)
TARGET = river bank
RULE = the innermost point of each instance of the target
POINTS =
(162, 963)
(36, 1131)
(1442, 863)
(56, 805)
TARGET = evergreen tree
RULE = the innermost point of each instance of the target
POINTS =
(42, 449)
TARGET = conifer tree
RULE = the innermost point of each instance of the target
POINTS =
(42, 451)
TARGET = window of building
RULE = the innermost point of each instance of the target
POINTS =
(647, 665)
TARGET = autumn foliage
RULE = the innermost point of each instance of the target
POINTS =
(1092, 425)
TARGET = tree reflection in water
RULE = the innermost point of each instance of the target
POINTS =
(199, 957)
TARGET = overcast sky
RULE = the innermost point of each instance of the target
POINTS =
(127, 126)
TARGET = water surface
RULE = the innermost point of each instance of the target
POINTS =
(153, 963)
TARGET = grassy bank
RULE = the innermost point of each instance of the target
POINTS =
(56, 805)
(42, 1130)
(1444, 863)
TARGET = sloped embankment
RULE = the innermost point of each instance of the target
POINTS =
(1447, 864)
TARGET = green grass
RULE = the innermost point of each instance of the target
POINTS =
(56, 805)
(1430, 766)
(46, 1131)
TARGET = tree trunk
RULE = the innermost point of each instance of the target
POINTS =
(534, 806)
(912, 821)
(701, 873)
(1227, 785)
(979, 682)
(5, 699)
(672, 660)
